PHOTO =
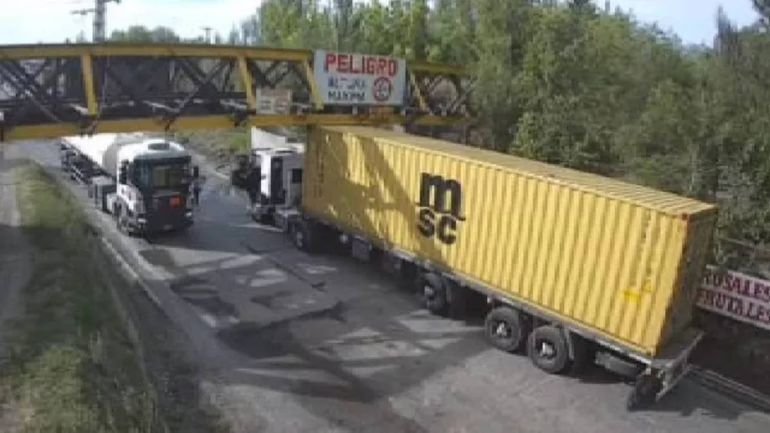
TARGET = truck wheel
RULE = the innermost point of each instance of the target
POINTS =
(434, 294)
(644, 393)
(505, 329)
(547, 348)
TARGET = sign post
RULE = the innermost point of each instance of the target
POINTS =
(273, 101)
(359, 79)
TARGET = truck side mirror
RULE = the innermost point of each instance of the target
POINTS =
(196, 172)
(123, 173)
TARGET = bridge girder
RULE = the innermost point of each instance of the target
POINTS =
(54, 90)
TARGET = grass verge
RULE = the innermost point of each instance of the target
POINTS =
(72, 366)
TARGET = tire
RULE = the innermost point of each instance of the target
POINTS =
(505, 329)
(547, 348)
(644, 394)
(434, 294)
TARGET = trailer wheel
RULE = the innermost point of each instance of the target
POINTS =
(505, 328)
(433, 293)
(547, 348)
(644, 393)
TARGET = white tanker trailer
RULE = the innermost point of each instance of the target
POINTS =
(143, 181)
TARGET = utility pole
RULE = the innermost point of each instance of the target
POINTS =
(99, 19)
(208, 34)
(98, 10)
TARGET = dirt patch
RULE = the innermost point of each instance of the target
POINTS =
(735, 350)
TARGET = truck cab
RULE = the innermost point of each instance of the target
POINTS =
(143, 181)
(153, 187)
(280, 185)
(271, 174)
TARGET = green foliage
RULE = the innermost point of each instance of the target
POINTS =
(295, 24)
(502, 33)
(73, 368)
(143, 34)
(453, 32)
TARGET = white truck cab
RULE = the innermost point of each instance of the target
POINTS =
(279, 162)
(143, 181)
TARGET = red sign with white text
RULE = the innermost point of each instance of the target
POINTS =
(736, 295)
(359, 79)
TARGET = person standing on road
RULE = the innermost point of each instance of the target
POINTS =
(253, 186)
(197, 186)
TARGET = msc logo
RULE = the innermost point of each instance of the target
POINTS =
(440, 205)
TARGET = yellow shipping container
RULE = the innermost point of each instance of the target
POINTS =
(617, 260)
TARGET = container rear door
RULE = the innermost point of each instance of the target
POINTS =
(696, 251)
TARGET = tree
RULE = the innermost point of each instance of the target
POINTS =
(503, 31)
(453, 32)
(234, 37)
(343, 19)
(295, 24)
(763, 9)
(143, 34)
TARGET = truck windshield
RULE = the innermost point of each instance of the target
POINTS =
(163, 175)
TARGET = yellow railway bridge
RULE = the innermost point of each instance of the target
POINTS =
(48, 91)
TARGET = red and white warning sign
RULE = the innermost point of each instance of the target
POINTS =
(736, 295)
(359, 79)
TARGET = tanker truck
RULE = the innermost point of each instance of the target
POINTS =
(144, 182)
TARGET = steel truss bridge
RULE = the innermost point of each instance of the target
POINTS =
(49, 91)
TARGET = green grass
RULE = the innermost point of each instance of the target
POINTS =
(72, 367)
(220, 144)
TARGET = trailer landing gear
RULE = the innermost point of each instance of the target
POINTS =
(645, 392)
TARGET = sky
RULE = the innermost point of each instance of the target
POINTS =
(34, 21)
(693, 20)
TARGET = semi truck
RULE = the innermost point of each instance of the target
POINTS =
(143, 181)
(271, 174)
(576, 268)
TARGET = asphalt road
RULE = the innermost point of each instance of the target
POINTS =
(295, 343)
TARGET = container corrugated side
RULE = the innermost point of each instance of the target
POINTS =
(602, 263)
